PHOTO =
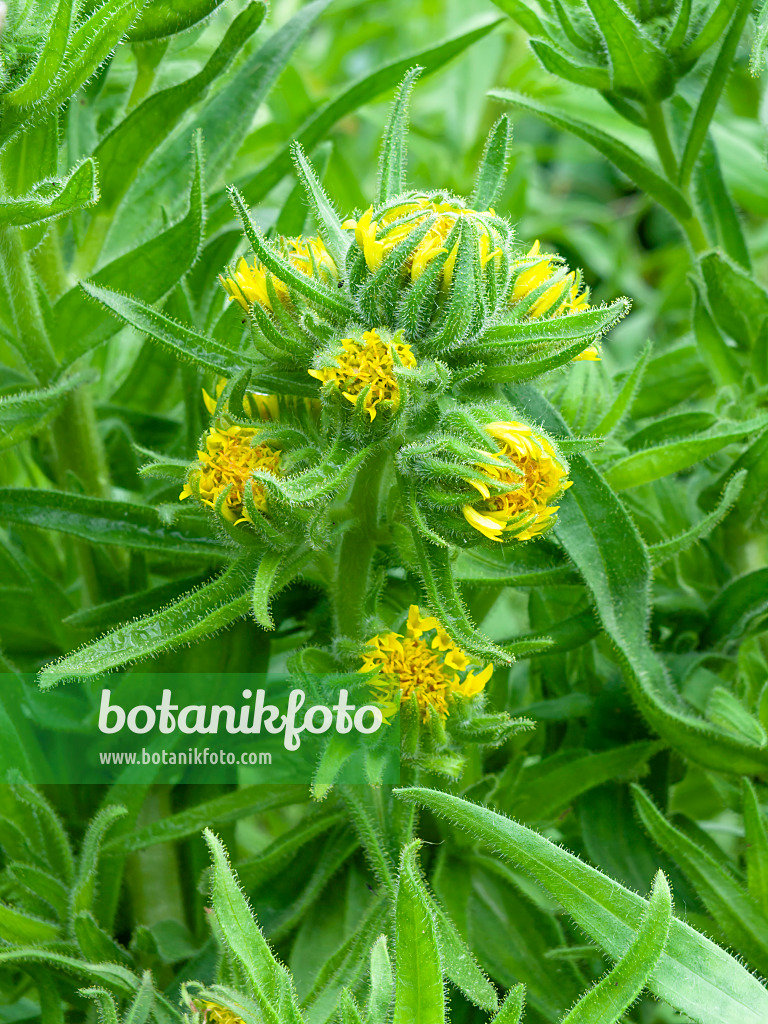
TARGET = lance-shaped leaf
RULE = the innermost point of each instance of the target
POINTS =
(666, 549)
(49, 59)
(117, 979)
(52, 199)
(419, 978)
(393, 158)
(87, 48)
(738, 303)
(197, 615)
(710, 95)
(741, 921)
(84, 888)
(624, 158)
(18, 928)
(149, 272)
(28, 412)
(622, 403)
(336, 239)
(557, 62)
(242, 934)
(756, 847)
(738, 608)
(363, 90)
(720, 359)
(165, 18)
(519, 565)
(599, 536)
(710, 33)
(283, 269)
(124, 150)
(184, 342)
(640, 69)
(493, 165)
(693, 974)
(607, 1002)
(511, 1010)
(106, 522)
(381, 983)
(661, 460)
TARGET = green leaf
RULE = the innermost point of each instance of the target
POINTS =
(694, 975)
(197, 615)
(182, 341)
(26, 413)
(603, 542)
(713, 200)
(756, 847)
(365, 89)
(393, 159)
(520, 565)
(639, 67)
(666, 549)
(230, 807)
(117, 979)
(18, 928)
(624, 158)
(730, 905)
(149, 272)
(720, 359)
(607, 1002)
(711, 93)
(512, 1008)
(661, 460)
(105, 1003)
(49, 61)
(52, 199)
(381, 983)
(757, 57)
(557, 62)
(740, 605)
(123, 151)
(419, 979)
(707, 35)
(164, 18)
(106, 522)
(263, 587)
(241, 932)
(738, 303)
(622, 403)
(493, 165)
(459, 965)
(337, 240)
(84, 889)
(556, 781)
(95, 943)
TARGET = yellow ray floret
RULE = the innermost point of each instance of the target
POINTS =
(537, 477)
(248, 285)
(257, 405)
(367, 365)
(228, 460)
(212, 1013)
(425, 663)
(377, 238)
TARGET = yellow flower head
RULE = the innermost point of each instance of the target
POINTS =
(561, 298)
(537, 477)
(368, 364)
(249, 283)
(424, 662)
(212, 1013)
(229, 459)
(377, 238)
(257, 405)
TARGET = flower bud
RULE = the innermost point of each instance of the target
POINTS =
(248, 283)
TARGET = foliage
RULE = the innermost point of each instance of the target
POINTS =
(439, 430)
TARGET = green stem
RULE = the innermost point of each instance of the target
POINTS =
(356, 551)
(153, 873)
(657, 126)
(27, 313)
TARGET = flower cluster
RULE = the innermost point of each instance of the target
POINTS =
(424, 665)
(249, 284)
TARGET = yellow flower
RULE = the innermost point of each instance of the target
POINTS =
(561, 298)
(257, 405)
(377, 238)
(367, 364)
(229, 459)
(212, 1013)
(537, 477)
(432, 667)
(249, 283)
